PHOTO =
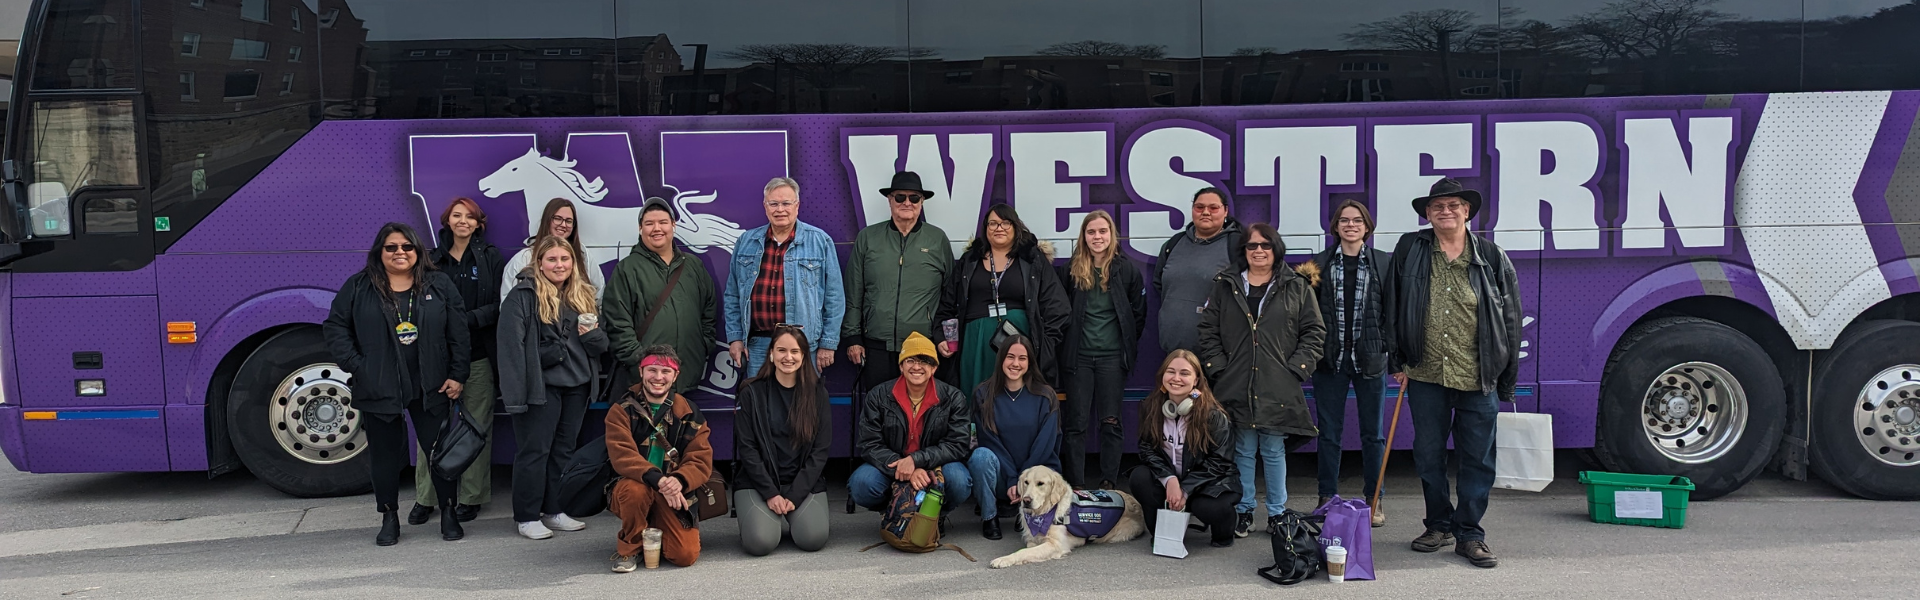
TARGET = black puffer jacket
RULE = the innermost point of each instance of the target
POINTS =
(1128, 290)
(883, 428)
(1497, 313)
(359, 335)
(1210, 472)
(1371, 351)
(1257, 366)
(1046, 304)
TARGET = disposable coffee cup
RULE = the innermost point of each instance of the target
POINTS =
(589, 320)
(650, 547)
(1336, 564)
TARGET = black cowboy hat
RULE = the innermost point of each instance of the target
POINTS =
(1449, 187)
(908, 181)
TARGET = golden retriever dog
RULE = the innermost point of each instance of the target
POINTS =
(1063, 517)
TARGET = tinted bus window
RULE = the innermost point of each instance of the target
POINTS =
(1565, 48)
(77, 144)
(1055, 54)
(762, 56)
(1306, 51)
(82, 45)
(443, 59)
(1865, 46)
(229, 85)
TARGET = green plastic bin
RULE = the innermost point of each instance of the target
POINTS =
(1601, 486)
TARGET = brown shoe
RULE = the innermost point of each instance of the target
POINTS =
(1478, 553)
(1432, 541)
(1379, 517)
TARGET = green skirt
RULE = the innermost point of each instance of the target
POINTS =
(977, 358)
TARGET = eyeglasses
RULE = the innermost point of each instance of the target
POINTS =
(563, 221)
(1351, 221)
(920, 360)
(1447, 207)
(397, 248)
(907, 198)
(999, 224)
(1208, 208)
(784, 204)
(1268, 246)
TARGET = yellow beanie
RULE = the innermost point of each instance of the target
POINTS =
(918, 345)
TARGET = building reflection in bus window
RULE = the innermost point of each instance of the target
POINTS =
(77, 144)
(1055, 54)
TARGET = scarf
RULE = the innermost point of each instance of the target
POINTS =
(1338, 275)
(916, 425)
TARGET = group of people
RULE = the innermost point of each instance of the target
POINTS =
(958, 363)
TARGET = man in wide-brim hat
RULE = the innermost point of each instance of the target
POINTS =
(893, 280)
(1453, 318)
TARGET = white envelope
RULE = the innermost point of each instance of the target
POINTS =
(1170, 534)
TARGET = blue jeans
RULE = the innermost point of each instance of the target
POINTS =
(988, 489)
(1272, 448)
(1330, 404)
(756, 356)
(872, 488)
(1469, 417)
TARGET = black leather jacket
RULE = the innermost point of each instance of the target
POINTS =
(1497, 312)
(1209, 473)
(883, 428)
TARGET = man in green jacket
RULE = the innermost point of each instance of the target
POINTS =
(893, 282)
(686, 318)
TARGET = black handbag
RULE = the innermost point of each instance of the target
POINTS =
(1296, 549)
(460, 443)
(1001, 335)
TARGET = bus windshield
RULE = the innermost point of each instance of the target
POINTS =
(76, 144)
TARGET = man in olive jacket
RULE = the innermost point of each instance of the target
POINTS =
(893, 282)
(687, 317)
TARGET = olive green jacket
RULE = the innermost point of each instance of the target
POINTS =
(687, 322)
(893, 283)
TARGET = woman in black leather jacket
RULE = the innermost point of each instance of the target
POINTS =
(1186, 450)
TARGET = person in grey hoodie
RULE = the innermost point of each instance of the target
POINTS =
(549, 346)
(1183, 274)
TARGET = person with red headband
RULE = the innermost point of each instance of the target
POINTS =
(657, 442)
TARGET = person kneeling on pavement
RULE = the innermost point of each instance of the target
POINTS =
(657, 442)
(910, 426)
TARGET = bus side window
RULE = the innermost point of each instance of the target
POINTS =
(112, 215)
(77, 144)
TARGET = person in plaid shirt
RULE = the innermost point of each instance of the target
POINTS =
(783, 272)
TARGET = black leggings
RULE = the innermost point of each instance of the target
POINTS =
(1215, 511)
(387, 443)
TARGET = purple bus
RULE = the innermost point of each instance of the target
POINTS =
(1716, 270)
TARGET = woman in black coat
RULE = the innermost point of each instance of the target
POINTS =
(399, 328)
(1109, 300)
(475, 266)
(1004, 276)
(783, 432)
(1182, 419)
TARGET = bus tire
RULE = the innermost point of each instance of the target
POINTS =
(290, 416)
(1690, 397)
(1866, 412)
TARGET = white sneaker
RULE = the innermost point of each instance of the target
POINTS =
(533, 530)
(562, 522)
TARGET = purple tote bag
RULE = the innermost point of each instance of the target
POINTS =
(1349, 523)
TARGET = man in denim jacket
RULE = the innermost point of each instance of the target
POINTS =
(783, 272)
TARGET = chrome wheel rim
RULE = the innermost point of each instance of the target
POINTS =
(1886, 416)
(1694, 412)
(311, 414)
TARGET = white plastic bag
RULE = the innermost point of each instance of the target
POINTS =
(1523, 456)
(1170, 534)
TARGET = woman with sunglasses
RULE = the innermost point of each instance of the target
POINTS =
(1004, 284)
(549, 352)
(1260, 336)
(400, 329)
(783, 432)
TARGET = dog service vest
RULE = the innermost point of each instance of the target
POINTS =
(1090, 514)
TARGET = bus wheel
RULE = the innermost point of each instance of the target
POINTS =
(291, 417)
(1691, 397)
(1866, 412)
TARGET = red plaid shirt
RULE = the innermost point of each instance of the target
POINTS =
(769, 298)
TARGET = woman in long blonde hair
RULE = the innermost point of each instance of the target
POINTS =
(1109, 298)
(549, 340)
(1186, 449)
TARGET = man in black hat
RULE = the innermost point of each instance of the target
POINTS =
(893, 281)
(1453, 317)
(640, 310)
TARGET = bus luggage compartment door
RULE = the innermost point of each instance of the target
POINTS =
(89, 382)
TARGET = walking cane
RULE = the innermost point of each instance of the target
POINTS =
(1380, 483)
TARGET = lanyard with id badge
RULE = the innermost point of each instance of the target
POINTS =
(998, 308)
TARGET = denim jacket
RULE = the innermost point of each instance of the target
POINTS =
(816, 300)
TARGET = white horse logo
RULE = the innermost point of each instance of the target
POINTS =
(603, 229)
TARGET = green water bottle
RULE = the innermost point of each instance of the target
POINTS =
(930, 506)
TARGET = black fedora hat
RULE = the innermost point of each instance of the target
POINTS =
(1449, 187)
(908, 181)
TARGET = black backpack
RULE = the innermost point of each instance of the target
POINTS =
(587, 480)
(1296, 549)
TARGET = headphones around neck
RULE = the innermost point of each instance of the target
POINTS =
(1175, 410)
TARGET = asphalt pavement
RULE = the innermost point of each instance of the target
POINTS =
(179, 535)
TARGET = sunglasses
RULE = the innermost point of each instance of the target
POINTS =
(1268, 246)
(396, 248)
(907, 198)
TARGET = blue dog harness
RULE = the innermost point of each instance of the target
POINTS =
(1090, 514)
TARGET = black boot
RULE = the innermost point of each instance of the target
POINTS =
(450, 529)
(466, 512)
(990, 529)
(419, 514)
(389, 529)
